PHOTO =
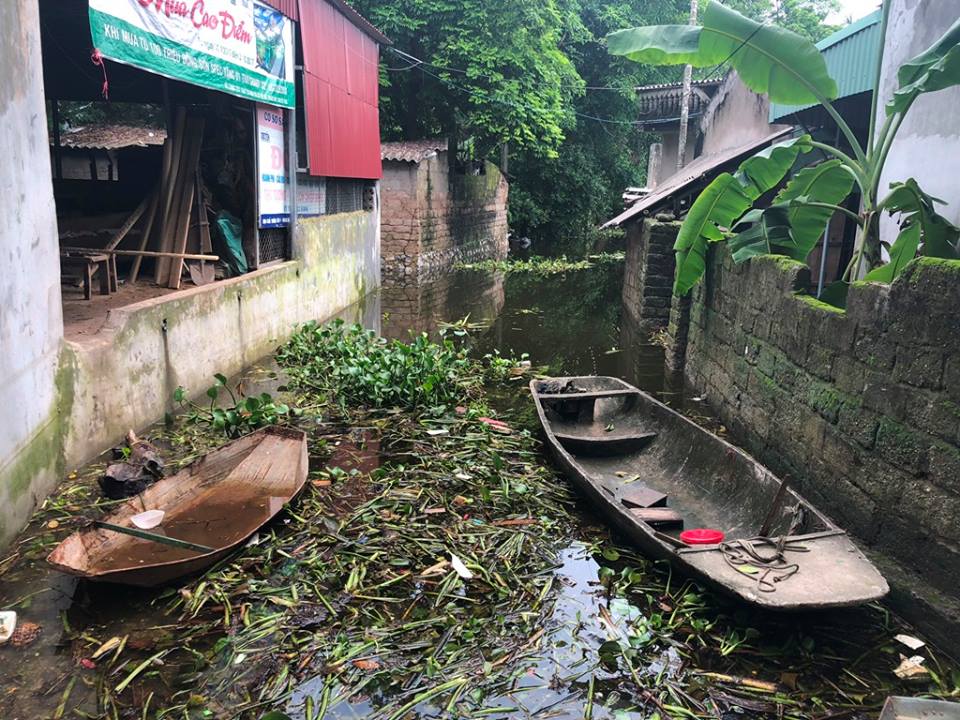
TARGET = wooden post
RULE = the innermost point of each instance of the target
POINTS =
(685, 98)
(57, 156)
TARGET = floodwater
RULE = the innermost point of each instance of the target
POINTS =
(571, 324)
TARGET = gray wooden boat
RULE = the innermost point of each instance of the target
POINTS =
(211, 508)
(908, 708)
(653, 472)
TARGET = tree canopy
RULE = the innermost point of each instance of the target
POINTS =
(536, 75)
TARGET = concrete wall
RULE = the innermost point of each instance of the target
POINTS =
(31, 325)
(859, 409)
(929, 139)
(125, 375)
(431, 223)
(735, 116)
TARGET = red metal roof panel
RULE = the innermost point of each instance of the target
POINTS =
(287, 7)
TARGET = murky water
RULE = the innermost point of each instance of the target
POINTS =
(573, 325)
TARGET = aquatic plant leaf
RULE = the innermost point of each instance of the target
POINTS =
(769, 59)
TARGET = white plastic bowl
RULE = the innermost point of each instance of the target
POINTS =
(148, 520)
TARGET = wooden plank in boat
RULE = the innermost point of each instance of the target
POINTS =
(643, 497)
(658, 517)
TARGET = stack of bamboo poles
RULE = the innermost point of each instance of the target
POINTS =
(176, 213)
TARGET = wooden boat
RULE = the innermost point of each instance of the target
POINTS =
(911, 708)
(211, 508)
(653, 472)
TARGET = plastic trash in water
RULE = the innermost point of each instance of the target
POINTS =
(8, 623)
(148, 520)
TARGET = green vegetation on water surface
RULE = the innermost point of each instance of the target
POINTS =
(542, 266)
(435, 566)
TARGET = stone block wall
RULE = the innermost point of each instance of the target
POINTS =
(648, 272)
(859, 409)
(430, 223)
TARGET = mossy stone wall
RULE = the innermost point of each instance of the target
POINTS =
(859, 409)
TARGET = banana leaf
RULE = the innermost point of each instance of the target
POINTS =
(769, 59)
(769, 233)
(936, 68)
(903, 251)
(724, 201)
(939, 237)
(791, 226)
(828, 182)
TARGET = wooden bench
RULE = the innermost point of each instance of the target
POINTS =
(90, 262)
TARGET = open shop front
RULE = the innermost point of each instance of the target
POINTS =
(168, 147)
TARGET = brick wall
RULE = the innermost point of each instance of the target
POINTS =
(429, 223)
(859, 409)
(648, 272)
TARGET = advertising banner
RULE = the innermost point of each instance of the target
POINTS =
(273, 189)
(240, 47)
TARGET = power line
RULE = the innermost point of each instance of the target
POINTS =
(474, 93)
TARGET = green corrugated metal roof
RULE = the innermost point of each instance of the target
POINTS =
(851, 54)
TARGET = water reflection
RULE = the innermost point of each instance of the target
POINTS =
(573, 324)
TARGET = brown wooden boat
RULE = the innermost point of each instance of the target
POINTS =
(653, 472)
(210, 508)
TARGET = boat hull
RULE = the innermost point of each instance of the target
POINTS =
(711, 483)
(218, 502)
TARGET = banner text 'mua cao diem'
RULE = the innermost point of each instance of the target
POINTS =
(240, 47)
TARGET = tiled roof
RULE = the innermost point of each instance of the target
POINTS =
(112, 137)
(414, 151)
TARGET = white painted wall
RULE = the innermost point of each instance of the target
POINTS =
(31, 324)
(928, 144)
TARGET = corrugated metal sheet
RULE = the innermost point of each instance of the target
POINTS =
(341, 93)
(851, 55)
(287, 7)
(703, 168)
(112, 137)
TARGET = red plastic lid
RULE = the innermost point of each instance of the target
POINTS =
(702, 536)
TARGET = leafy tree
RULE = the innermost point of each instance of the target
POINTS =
(492, 71)
(804, 17)
(560, 201)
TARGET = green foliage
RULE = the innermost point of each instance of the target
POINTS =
(362, 368)
(937, 68)
(724, 201)
(543, 266)
(790, 70)
(792, 225)
(769, 60)
(243, 416)
(494, 70)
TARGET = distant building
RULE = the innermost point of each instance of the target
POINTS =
(436, 215)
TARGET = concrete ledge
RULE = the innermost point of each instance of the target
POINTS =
(124, 376)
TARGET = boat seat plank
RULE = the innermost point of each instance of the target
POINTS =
(658, 517)
(595, 395)
(643, 497)
(605, 445)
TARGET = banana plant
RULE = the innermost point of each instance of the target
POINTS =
(790, 70)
